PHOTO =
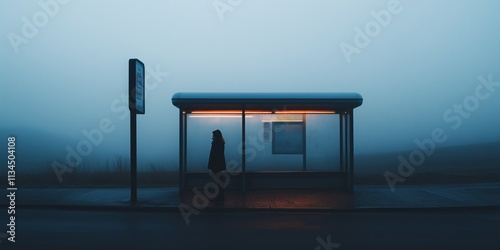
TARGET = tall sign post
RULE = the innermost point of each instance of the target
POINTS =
(136, 100)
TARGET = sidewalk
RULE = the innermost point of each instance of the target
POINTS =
(364, 197)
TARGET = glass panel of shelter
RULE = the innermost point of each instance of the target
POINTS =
(272, 140)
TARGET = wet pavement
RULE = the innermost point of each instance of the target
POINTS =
(409, 230)
(373, 217)
(364, 197)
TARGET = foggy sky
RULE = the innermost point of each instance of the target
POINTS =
(71, 74)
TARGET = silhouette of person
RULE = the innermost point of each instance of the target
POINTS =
(217, 160)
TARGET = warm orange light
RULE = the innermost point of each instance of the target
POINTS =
(304, 112)
(283, 120)
(230, 112)
(257, 112)
(264, 112)
(218, 116)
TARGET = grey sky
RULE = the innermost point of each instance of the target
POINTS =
(427, 58)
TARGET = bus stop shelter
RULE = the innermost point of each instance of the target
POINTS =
(273, 140)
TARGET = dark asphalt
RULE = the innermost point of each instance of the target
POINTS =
(78, 229)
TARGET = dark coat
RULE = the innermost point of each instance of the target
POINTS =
(217, 160)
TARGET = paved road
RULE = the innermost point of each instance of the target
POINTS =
(76, 229)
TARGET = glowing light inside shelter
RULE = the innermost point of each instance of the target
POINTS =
(217, 116)
(264, 112)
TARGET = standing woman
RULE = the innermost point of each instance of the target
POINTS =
(217, 160)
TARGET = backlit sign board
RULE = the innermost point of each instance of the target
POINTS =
(137, 91)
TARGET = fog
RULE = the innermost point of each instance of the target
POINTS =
(419, 65)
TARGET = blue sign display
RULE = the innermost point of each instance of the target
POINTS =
(137, 90)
